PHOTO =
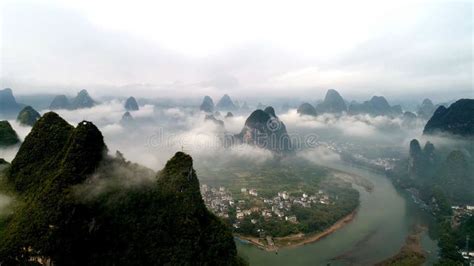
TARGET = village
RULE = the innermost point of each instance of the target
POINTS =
(221, 202)
(459, 213)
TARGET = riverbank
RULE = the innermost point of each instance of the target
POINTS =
(411, 253)
(297, 240)
(384, 220)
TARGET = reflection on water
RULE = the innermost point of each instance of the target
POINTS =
(379, 229)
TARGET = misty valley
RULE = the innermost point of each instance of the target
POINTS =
(261, 133)
(137, 182)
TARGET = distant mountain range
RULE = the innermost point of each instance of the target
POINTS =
(226, 104)
(82, 100)
(207, 105)
(333, 103)
(60, 102)
(376, 106)
(8, 103)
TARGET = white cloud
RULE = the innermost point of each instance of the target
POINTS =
(281, 49)
(250, 154)
(105, 113)
(9, 153)
(351, 128)
(22, 131)
(320, 155)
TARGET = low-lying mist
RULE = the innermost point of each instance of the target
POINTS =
(4, 202)
(156, 133)
(8, 153)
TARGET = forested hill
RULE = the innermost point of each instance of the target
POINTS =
(76, 205)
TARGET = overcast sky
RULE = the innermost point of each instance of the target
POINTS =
(244, 48)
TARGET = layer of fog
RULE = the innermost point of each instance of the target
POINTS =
(355, 133)
(8, 153)
(4, 202)
(157, 133)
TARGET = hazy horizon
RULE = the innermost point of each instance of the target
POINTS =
(292, 50)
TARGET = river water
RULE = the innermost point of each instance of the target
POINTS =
(383, 221)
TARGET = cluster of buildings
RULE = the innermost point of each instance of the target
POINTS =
(459, 212)
(220, 201)
(282, 203)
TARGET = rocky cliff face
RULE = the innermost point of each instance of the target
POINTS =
(376, 106)
(457, 119)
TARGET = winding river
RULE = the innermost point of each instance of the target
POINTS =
(384, 219)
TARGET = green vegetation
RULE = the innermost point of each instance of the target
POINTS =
(457, 119)
(8, 136)
(293, 176)
(434, 172)
(28, 116)
(452, 238)
(74, 205)
(268, 178)
(442, 179)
